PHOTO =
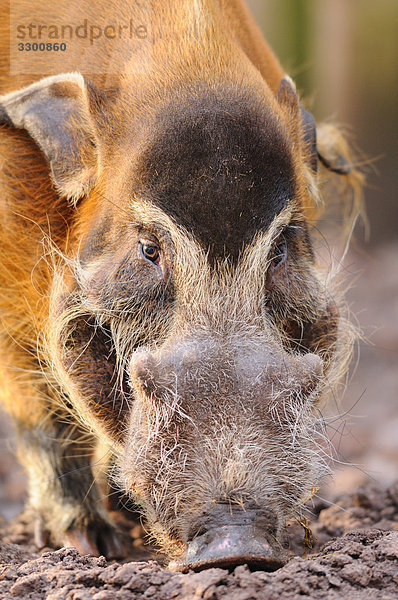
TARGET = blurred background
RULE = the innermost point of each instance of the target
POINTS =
(343, 56)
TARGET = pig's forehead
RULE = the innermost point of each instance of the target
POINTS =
(221, 168)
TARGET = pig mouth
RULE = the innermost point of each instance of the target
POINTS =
(226, 545)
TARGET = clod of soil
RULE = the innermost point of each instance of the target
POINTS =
(359, 564)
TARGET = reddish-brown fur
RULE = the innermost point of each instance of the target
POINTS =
(36, 222)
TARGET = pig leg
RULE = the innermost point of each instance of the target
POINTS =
(64, 500)
(63, 497)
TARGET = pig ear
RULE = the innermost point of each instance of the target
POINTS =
(287, 96)
(324, 143)
(55, 112)
(309, 136)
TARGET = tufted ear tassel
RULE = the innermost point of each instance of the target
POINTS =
(333, 150)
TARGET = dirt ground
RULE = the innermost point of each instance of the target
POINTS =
(355, 563)
(353, 518)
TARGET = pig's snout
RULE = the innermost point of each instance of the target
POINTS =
(216, 427)
(231, 539)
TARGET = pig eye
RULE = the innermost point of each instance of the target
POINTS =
(150, 251)
(279, 254)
